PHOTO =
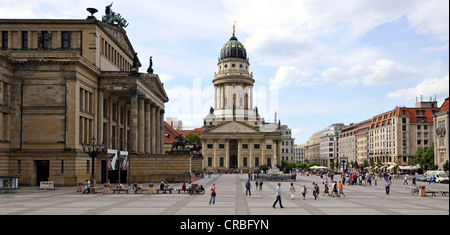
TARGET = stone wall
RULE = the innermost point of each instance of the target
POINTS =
(157, 168)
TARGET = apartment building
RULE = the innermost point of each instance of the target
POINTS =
(395, 135)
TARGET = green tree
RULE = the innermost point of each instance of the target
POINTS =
(425, 159)
(193, 139)
(263, 167)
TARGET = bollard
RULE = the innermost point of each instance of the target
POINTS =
(150, 188)
(105, 189)
(422, 191)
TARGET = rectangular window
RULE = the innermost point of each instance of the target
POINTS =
(210, 146)
(24, 39)
(244, 161)
(45, 40)
(268, 146)
(256, 146)
(4, 39)
(210, 161)
(65, 39)
(221, 162)
(244, 146)
(221, 146)
(256, 161)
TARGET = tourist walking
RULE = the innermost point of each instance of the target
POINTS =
(260, 184)
(405, 181)
(303, 191)
(278, 194)
(341, 188)
(388, 186)
(248, 185)
(213, 194)
(292, 190)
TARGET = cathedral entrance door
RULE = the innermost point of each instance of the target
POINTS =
(233, 162)
(233, 154)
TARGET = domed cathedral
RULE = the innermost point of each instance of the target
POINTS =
(235, 136)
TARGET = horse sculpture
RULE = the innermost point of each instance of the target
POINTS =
(196, 148)
(180, 143)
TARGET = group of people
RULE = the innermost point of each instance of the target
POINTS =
(137, 188)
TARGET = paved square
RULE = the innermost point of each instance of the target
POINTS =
(230, 200)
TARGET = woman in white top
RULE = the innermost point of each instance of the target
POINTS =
(292, 190)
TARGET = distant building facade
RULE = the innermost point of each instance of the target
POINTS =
(441, 135)
(287, 144)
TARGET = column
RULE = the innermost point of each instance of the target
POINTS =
(215, 97)
(158, 131)
(214, 161)
(161, 136)
(134, 124)
(227, 155)
(239, 157)
(251, 97)
(263, 147)
(148, 144)
(275, 158)
(141, 125)
(100, 117)
(250, 157)
(153, 128)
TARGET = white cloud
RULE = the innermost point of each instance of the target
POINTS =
(428, 88)
(288, 76)
(383, 72)
(431, 18)
(388, 72)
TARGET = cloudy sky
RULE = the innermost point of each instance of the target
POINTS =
(314, 62)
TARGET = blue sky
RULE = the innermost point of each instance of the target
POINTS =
(314, 62)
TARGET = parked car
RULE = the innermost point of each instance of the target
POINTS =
(420, 178)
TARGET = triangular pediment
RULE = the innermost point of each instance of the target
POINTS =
(119, 36)
(233, 127)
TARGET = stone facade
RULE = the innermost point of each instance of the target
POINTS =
(63, 82)
(235, 136)
(441, 135)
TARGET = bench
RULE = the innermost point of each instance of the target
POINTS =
(433, 193)
(164, 190)
(120, 190)
(184, 190)
(444, 193)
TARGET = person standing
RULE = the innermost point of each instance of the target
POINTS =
(213, 194)
(388, 186)
(247, 188)
(260, 184)
(405, 181)
(278, 194)
(292, 190)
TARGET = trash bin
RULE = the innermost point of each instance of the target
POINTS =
(422, 191)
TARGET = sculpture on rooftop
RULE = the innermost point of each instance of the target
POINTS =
(112, 18)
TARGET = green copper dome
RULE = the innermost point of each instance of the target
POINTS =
(233, 49)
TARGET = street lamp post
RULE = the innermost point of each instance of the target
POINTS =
(93, 149)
